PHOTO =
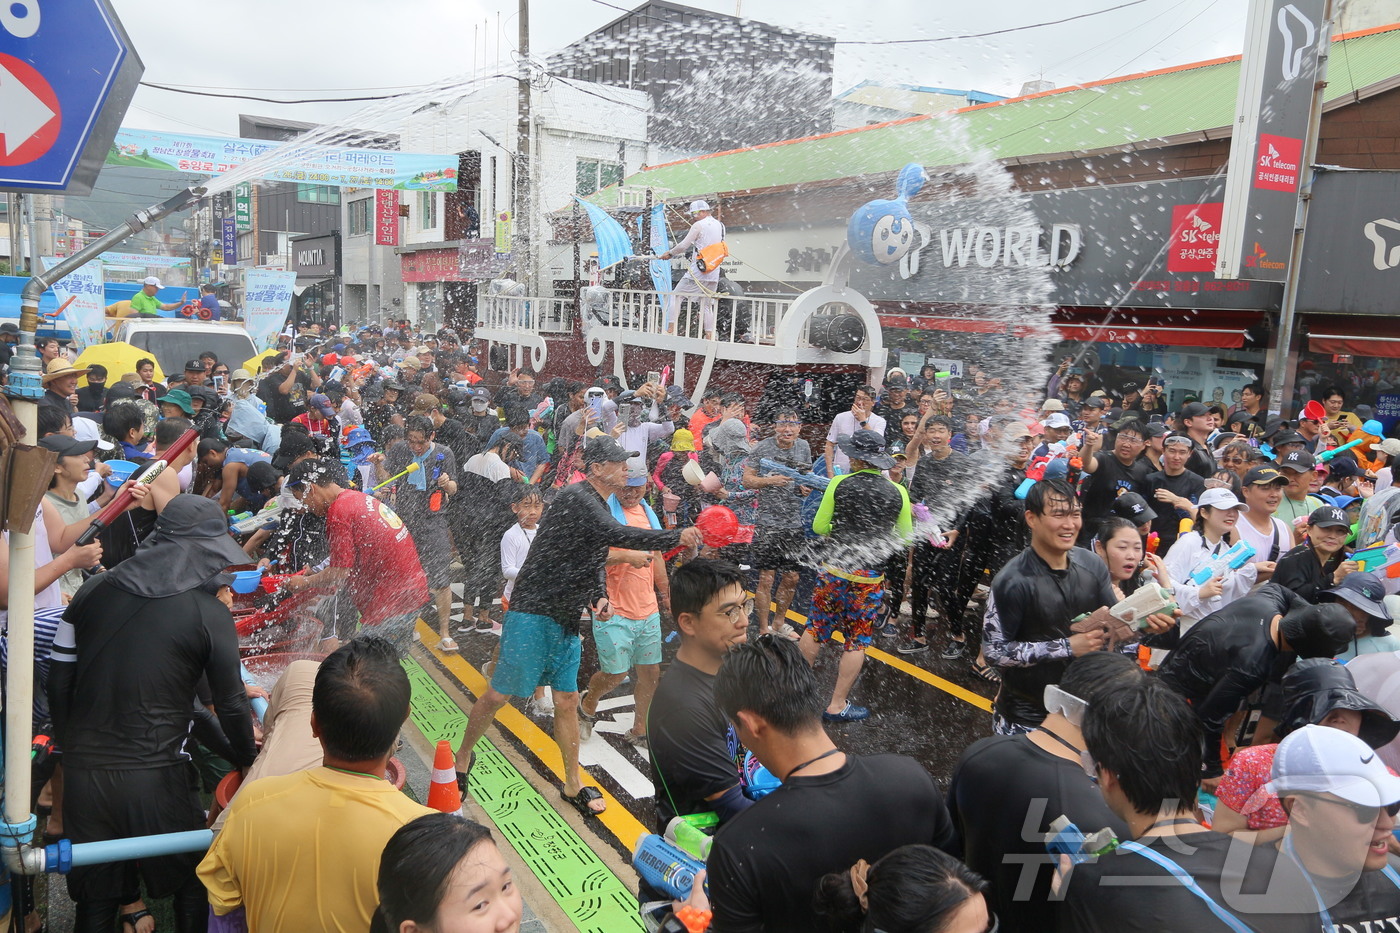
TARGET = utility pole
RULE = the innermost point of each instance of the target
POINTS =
(524, 245)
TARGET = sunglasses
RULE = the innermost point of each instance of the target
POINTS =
(1365, 815)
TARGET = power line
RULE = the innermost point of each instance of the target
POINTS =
(272, 100)
(313, 90)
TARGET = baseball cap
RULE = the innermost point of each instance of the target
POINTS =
(1323, 760)
(896, 382)
(1287, 437)
(1192, 410)
(1057, 420)
(66, 446)
(1134, 508)
(194, 366)
(1153, 429)
(1016, 430)
(1053, 404)
(1299, 461)
(1095, 401)
(1342, 467)
(1221, 499)
(1329, 516)
(321, 403)
(1264, 476)
(151, 280)
(636, 476)
(606, 450)
(9, 327)
(700, 205)
(262, 475)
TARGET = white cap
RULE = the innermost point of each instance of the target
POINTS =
(1221, 499)
(85, 429)
(1323, 760)
(151, 280)
(699, 206)
(1058, 420)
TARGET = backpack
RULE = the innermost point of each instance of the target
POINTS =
(711, 257)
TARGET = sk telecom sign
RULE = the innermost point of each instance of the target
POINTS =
(67, 74)
(1277, 74)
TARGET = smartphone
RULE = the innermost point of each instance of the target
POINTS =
(595, 401)
(654, 377)
(219, 384)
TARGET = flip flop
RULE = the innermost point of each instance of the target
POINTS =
(582, 799)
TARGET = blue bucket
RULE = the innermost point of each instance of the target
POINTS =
(246, 581)
(121, 471)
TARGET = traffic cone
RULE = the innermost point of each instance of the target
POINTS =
(442, 793)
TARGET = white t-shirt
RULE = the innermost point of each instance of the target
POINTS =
(50, 597)
(704, 232)
(1263, 541)
(846, 423)
(515, 544)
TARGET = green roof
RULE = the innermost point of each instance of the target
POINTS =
(1105, 115)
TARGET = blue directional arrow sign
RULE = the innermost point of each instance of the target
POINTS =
(67, 74)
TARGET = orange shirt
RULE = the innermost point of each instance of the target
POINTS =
(632, 590)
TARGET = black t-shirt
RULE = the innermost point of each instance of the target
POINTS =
(283, 408)
(694, 751)
(1300, 571)
(766, 862)
(414, 505)
(1004, 795)
(1109, 479)
(1188, 485)
(1125, 891)
(1373, 904)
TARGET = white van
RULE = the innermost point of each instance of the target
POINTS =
(174, 342)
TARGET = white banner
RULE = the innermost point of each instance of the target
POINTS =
(86, 316)
(144, 261)
(266, 301)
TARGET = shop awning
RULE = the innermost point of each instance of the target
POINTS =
(1226, 330)
(1357, 335)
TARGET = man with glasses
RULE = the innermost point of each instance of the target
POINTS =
(1341, 802)
(1112, 473)
(780, 535)
(1143, 748)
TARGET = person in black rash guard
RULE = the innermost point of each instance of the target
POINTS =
(832, 809)
(1320, 562)
(125, 665)
(695, 755)
(1006, 790)
(1035, 598)
(562, 576)
(1170, 873)
(1233, 652)
(1110, 474)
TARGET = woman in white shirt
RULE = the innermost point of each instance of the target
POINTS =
(1217, 518)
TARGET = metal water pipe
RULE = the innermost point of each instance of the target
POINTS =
(24, 391)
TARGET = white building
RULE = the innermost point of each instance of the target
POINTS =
(584, 137)
(371, 286)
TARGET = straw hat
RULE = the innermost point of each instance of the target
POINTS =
(59, 367)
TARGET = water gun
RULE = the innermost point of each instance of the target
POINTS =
(1034, 474)
(1381, 557)
(411, 468)
(759, 782)
(541, 412)
(41, 749)
(122, 501)
(922, 516)
(435, 499)
(806, 479)
(235, 517)
(665, 867)
(1233, 559)
(689, 838)
(247, 522)
(1145, 601)
(1327, 455)
(1075, 472)
(1154, 541)
(1065, 838)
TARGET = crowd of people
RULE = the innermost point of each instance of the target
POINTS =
(1171, 607)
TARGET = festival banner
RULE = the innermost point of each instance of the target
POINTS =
(230, 241)
(386, 218)
(267, 299)
(86, 316)
(141, 260)
(243, 207)
(307, 164)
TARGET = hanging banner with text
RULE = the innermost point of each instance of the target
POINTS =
(230, 241)
(243, 207)
(86, 316)
(144, 261)
(312, 165)
(503, 232)
(267, 299)
(386, 218)
(1282, 42)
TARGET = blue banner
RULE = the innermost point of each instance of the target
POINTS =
(614, 245)
(230, 242)
(311, 165)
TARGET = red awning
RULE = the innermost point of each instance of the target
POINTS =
(1356, 334)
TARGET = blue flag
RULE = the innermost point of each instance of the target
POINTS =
(660, 242)
(614, 245)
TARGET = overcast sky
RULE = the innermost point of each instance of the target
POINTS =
(319, 48)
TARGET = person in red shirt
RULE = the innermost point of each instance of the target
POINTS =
(319, 417)
(372, 553)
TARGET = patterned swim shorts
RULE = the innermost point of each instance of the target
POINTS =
(851, 607)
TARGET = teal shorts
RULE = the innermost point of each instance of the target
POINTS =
(535, 652)
(624, 642)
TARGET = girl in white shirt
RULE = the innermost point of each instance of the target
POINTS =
(1217, 521)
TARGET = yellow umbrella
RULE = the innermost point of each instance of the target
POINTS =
(254, 365)
(119, 358)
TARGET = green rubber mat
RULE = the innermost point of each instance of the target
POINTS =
(593, 897)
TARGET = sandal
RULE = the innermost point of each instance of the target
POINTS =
(787, 631)
(462, 776)
(448, 645)
(133, 918)
(985, 671)
(582, 799)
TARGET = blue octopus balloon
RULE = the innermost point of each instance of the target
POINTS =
(881, 232)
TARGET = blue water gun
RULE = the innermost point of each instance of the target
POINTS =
(1233, 559)
(1065, 838)
(665, 867)
(805, 479)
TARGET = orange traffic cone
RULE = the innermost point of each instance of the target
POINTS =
(443, 793)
